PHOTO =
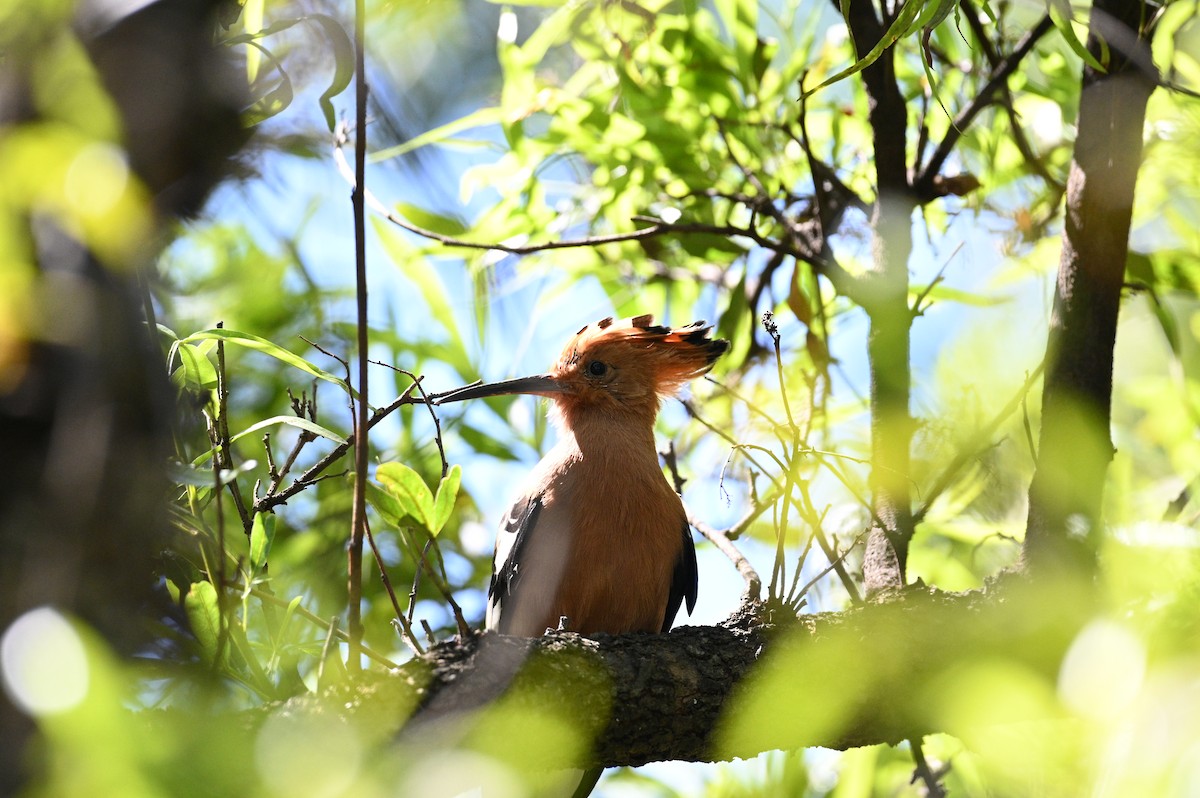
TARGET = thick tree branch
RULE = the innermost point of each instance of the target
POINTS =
(839, 680)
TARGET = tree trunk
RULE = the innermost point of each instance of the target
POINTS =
(1075, 445)
(883, 294)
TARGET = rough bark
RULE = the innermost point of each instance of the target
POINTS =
(837, 680)
(1075, 444)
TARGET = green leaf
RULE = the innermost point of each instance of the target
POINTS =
(252, 19)
(386, 505)
(406, 486)
(429, 220)
(262, 535)
(1063, 19)
(276, 351)
(343, 59)
(343, 72)
(741, 20)
(482, 443)
(419, 270)
(204, 615)
(195, 371)
(292, 421)
(443, 505)
(904, 25)
(479, 118)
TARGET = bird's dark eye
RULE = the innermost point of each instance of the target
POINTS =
(597, 368)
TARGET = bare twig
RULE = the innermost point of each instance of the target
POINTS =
(313, 474)
(464, 629)
(836, 564)
(721, 540)
(223, 446)
(931, 778)
(923, 184)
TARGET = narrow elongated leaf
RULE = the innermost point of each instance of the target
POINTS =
(276, 351)
(420, 272)
(292, 421)
(443, 504)
(903, 25)
(262, 535)
(438, 223)
(252, 20)
(1063, 19)
(480, 118)
(343, 59)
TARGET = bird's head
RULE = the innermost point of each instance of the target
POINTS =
(615, 367)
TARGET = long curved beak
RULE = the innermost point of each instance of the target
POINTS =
(540, 385)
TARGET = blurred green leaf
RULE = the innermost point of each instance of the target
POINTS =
(420, 271)
(343, 60)
(204, 615)
(1063, 17)
(262, 535)
(479, 118)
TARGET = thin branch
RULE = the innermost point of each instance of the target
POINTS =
(318, 620)
(931, 778)
(311, 476)
(835, 559)
(358, 520)
(405, 629)
(725, 545)
(981, 440)
(1018, 133)
(923, 185)
(225, 453)
(836, 565)
(464, 629)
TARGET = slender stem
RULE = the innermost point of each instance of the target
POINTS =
(223, 447)
(359, 516)
(318, 620)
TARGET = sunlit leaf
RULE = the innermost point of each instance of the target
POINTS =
(408, 488)
(480, 118)
(195, 371)
(443, 504)
(251, 341)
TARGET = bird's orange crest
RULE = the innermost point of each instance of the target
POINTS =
(621, 366)
(663, 356)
